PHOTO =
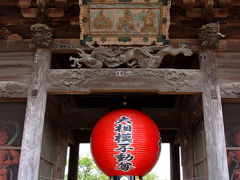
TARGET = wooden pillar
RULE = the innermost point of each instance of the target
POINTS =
(175, 163)
(186, 141)
(36, 105)
(212, 106)
(187, 153)
(73, 162)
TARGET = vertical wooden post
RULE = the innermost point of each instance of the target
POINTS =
(212, 106)
(186, 142)
(36, 105)
(187, 153)
(175, 162)
(73, 162)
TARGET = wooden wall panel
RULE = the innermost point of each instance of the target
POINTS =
(228, 66)
(15, 73)
(16, 64)
(229, 73)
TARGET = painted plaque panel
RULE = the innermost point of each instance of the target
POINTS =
(124, 23)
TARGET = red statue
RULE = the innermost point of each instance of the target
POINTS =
(233, 157)
(8, 157)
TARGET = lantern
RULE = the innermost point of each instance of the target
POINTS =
(125, 143)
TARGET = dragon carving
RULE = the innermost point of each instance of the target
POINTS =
(209, 35)
(143, 57)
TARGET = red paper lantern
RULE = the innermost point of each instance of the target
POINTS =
(125, 142)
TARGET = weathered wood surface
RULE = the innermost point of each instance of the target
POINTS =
(187, 154)
(34, 118)
(47, 154)
(59, 140)
(186, 106)
(175, 162)
(15, 73)
(88, 80)
(15, 67)
(213, 118)
(13, 89)
(69, 45)
(228, 72)
(73, 162)
(15, 45)
(86, 118)
(60, 152)
(225, 45)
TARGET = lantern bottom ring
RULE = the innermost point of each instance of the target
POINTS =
(125, 177)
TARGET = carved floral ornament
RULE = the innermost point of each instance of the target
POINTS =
(11, 88)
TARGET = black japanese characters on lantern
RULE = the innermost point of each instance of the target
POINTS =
(123, 138)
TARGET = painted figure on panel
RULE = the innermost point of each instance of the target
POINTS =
(8, 157)
(101, 21)
(148, 22)
(233, 156)
(126, 22)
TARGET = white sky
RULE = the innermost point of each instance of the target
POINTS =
(162, 168)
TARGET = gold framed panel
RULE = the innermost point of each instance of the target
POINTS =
(124, 22)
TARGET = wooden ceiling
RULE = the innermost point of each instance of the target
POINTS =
(187, 16)
(80, 113)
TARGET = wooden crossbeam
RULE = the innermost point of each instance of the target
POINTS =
(84, 81)
(69, 45)
(86, 118)
(163, 81)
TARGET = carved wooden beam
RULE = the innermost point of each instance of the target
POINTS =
(170, 81)
(13, 89)
(199, 12)
(230, 89)
(69, 45)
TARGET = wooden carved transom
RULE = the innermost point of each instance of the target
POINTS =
(12, 89)
(143, 57)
